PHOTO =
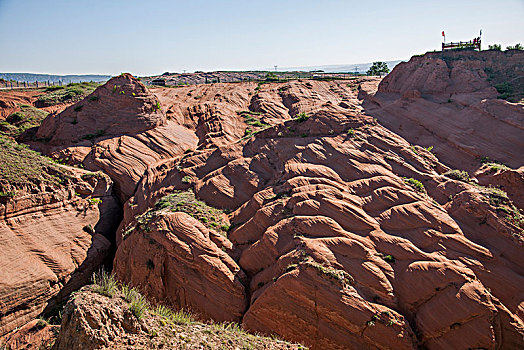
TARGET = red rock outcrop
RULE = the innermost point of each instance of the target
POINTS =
(120, 129)
(52, 240)
(510, 180)
(448, 100)
(181, 263)
(34, 335)
(93, 321)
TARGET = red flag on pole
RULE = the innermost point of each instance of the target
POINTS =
(443, 33)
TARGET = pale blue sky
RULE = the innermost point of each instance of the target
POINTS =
(150, 37)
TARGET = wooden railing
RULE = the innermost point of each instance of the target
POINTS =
(472, 44)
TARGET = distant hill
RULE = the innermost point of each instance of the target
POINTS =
(31, 77)
(362, 67)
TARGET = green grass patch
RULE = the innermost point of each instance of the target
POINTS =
(301, 117)
(185, 201)
(496, 196)
(65, 94)
(18, 122)
(22, 166)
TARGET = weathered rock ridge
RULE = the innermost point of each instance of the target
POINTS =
(448, 100)
(120, 129)
(52, 239)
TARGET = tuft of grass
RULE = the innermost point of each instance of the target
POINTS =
(186, 179)
(181, 317)
(138, 304)
(105, 283)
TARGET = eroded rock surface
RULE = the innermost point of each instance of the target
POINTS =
(120, 129)
(349, 236)
(54, 232)
(448, 100)
(342, 233)
(94, 321)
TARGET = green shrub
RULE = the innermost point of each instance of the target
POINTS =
(7, 193)
(302, 117)
(496, 196)
(497, 166)
(99, 133)
(94, 201)
(415, 184)
(504, 88)
(186, 179)
(389, 258)
(41, 323)
(459, 175)
(517, 46)
(186, 202)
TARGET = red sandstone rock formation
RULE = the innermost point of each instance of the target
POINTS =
(120, 129)
(343, 234)
(52, 239)
(34, 335)
(339, 250)
(447, 100)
